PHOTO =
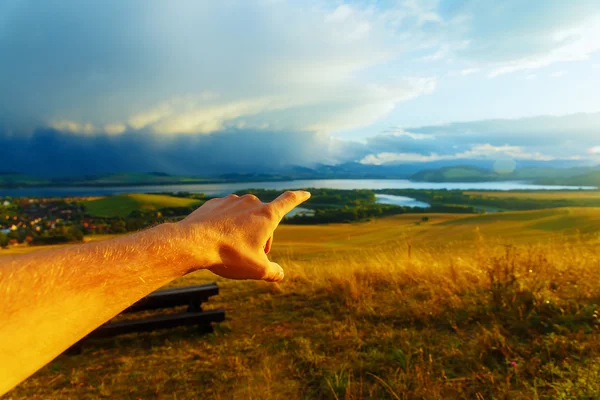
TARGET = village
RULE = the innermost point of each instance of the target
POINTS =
(43, 221)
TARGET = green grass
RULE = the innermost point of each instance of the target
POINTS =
(122, 205)
(543, 194)
(491, 306)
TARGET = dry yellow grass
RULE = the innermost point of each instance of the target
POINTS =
(383, 310)
(542, 195)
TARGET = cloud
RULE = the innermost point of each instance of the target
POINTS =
(469, 71)
(509, 36)
(177, 80)
(197, 67)
(571, 137)
(74, 127)
(202, 67)
(557, 74)
(49, 152)
(476, 152)
(55, 152)
(115, 128)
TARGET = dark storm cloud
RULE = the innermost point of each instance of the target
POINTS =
(56, 153)
(53, 153)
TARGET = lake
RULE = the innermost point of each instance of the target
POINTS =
(400, 201)
(221, 189)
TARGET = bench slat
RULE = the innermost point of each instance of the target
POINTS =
(175, 297)
(158, 322)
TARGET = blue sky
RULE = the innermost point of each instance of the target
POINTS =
(339, 75)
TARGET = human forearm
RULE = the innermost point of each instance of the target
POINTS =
(51, 299)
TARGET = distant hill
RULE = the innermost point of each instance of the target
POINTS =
(575, 176)
(456, 174)
(536, 173)
(130, 178)
(419, 172)
(591, 178)
(13, 179)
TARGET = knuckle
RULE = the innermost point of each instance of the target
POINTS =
(232, 196)
(291, 195)
(250, 197)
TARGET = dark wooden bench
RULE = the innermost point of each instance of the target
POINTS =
(192, 296)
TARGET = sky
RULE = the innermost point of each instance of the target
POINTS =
(188, 85)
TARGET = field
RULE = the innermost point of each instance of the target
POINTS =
(543, 195)
(460, 306)
(122, 205)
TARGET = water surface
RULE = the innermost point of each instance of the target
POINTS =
(400, 201)
(220, 189)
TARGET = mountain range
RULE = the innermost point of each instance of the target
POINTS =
(482, 171)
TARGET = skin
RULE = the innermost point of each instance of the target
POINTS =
(51, 299)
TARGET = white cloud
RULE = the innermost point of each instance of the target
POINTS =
(155, 114)
(557, 74)
(207, 119)
(306, 109)
(575, 43)
(115, 128)
(530, 76)
(341, 13)
(74, 127)
(399, 132)
(436, 56)
(477, 151)
(87, 128)
(424, 10)
(469, 71)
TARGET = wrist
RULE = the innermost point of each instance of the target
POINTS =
(194, 246)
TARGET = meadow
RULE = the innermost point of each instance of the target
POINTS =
(459, 306)
(122, 205)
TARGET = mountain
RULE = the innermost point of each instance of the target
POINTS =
(591, 178)
(540, 175)
(482, 171)
(14, 179)
(463, 173)
(537, 173)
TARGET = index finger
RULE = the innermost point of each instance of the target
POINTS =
(287, 201)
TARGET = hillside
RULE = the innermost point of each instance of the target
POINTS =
(129, 178)
(472, 171)
(589, 179)
(456, 174)
(123, 205)
(395, 308)
(540, 175)
(12, 179)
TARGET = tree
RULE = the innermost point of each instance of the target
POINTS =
(3, 240)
